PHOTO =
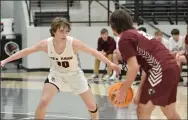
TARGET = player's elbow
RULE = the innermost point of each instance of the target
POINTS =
(133, 64)
(93, 52)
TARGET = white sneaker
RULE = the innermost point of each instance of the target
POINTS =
(112, 78)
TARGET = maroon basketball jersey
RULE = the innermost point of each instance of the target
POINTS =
(151, 54)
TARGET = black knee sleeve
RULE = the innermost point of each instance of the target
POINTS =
(94, 110)
(89, 85)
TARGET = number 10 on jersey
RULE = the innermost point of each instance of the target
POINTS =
(64, 64)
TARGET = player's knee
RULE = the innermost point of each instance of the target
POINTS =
(44, 101)
(143, 112)
(170, 113)
(93, 108)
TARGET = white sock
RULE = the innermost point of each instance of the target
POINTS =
(114, 74)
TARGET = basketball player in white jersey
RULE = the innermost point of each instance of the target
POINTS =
(62, 50)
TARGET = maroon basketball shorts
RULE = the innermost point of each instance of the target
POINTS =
(164, 93)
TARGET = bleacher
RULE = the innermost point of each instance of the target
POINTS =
(150, 10)
(53, 4)
(44, 11)
(45, 18)
(160, 10)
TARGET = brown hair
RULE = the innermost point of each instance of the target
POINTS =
(158, 33)
(57, 23)
(120, 21)
(104, 30)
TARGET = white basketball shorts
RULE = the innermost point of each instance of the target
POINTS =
(76, 81)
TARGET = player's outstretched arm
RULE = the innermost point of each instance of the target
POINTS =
(80, 46)
(25, 52)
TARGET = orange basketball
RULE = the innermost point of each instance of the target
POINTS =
(128, 98)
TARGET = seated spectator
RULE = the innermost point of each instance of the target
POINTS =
(182, 57)
(159, 37)
(175, 42)
(116, 59)
(106, 45)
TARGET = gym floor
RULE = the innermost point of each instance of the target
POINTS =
(21, 92)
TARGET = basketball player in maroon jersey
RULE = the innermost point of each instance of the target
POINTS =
(159, 85)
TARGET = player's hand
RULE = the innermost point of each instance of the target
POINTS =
(2, 63)
(115, 68)
(120, 96)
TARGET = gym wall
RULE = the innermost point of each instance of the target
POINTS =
(8, 7)
(88, 35)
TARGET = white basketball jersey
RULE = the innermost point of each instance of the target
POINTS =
(176, 45)
(64, 62)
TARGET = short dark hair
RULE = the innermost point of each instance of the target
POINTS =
(142, 29)
(104, 30)
(175, 32)
(57, 22)
(120, 21)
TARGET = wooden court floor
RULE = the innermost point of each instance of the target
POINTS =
(21, 92)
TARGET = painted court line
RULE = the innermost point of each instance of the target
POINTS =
(18, 113)
(46, 115)
(27, 118)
